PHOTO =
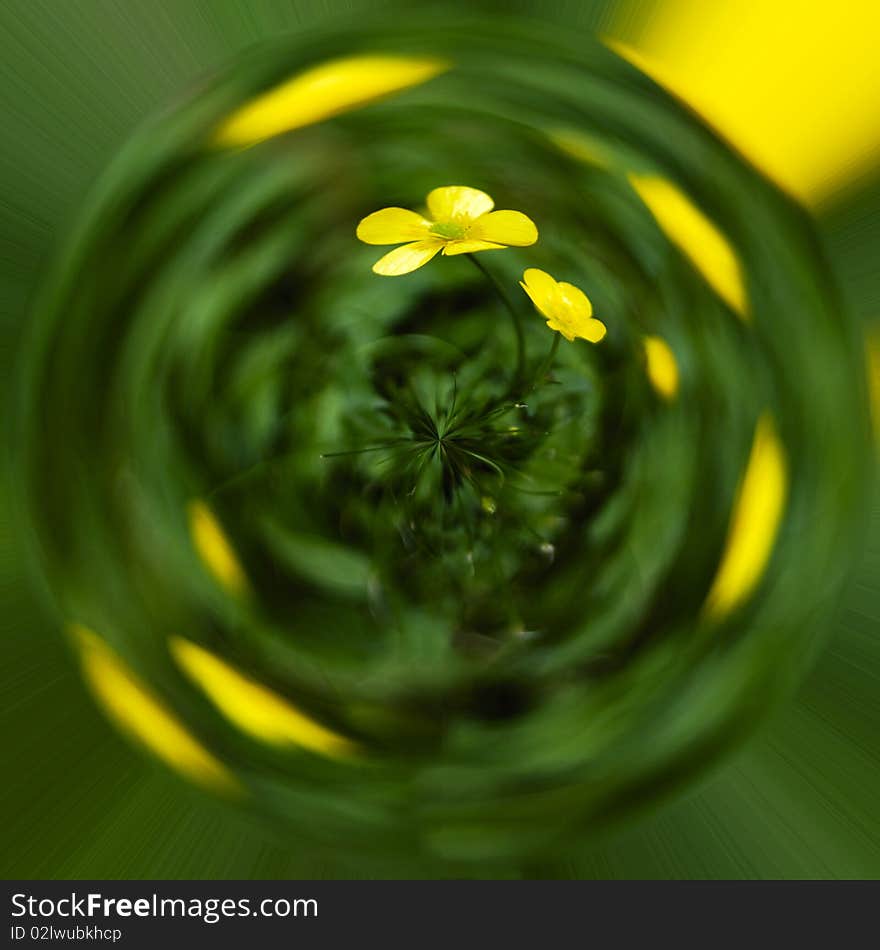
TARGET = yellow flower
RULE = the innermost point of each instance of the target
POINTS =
(460, 221)
(566, 307)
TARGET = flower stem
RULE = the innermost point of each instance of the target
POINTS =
(514, 316)
(544, 368)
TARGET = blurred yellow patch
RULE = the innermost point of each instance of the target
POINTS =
(254, 708)
(757, 513)
(793, 84)
(661, 366)
(697, 237)
(214, 548)
(579, 146)
(322, 92)
(139, 714)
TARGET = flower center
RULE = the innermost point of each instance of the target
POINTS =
(448, 229)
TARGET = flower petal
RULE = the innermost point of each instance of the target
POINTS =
(392, 226)
(504, 227)
(533, 297)
(577, 302)
(540, 281)
(592, 330)
(458, 203)
(468, 247)
(408, 258)
(542, 289)
(562, 328)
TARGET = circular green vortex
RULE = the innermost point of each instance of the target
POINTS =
(474, 623)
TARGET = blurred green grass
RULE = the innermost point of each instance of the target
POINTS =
(799, 801)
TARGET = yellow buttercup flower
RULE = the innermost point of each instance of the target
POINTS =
(460, 221)
(566, 307)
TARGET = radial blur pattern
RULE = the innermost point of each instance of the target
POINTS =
(356, 606)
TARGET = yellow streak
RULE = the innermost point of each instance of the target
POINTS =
(697, 237)
(793, 84)
(754, 524)
(583, 148)
(322, 92)
(661, 366)
(137, 712)
(214, 549)
(254, 708)
(873, 354)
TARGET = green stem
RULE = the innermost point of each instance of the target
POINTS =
(514, 316)
(544, 368)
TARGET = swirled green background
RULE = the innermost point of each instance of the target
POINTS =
(798, 801)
